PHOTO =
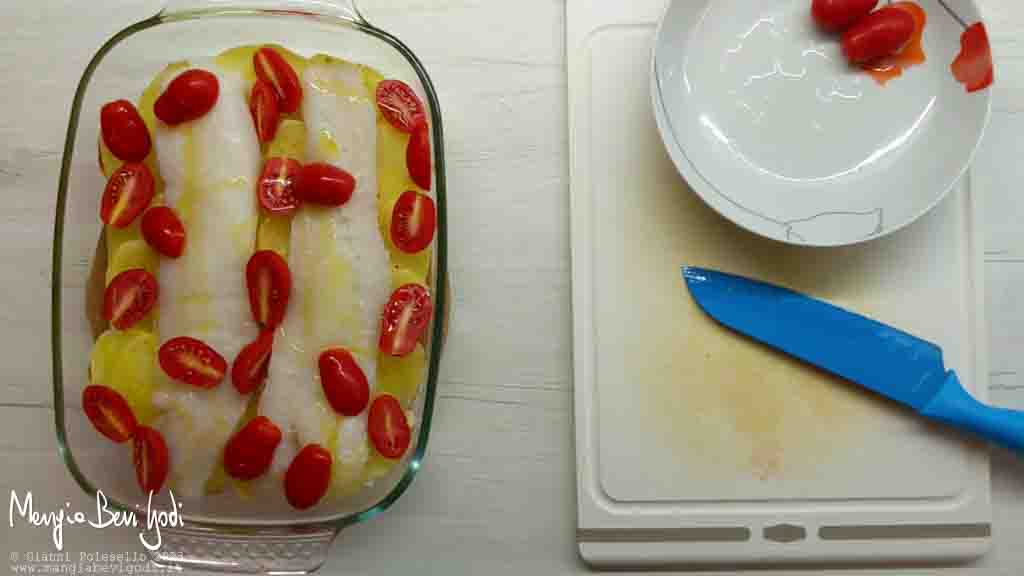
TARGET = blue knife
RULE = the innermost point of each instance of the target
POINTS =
(881, 358)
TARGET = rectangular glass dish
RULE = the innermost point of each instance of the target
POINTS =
(223, 531)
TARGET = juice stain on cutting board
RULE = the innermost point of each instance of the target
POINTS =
(713, 395)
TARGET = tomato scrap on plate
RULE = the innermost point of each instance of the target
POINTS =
(192, 361)
(273, 69)
(838, 15)
(343, 382)
(405, 318)
(269, 282)
(129, 297)
(880, 33)
(417, 156)
(266, 114)
(124, 131)
(388, 428)
(151, 459)
(324, 184)
(189, 96)
(276, 187)
(973, 65)
(308, 476)
(251, 450)
(109, 412)
(400, 106)
(413, 221)
(250, 366)
(162, 229)
(128, 192)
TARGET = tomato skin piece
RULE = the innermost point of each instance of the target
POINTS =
(150, 457)
(109, 413)
(250, 366)
(129, 297)
(324, 184)
(163, 231)
(413, 221)
(273, 69)
(404, 320)
(343, 381)
(188, 97)
(388, 428)
(264, 107)
(838, 15)
(124, 131)
(276, 188)
(400, 105)
(269, 282)
(128, 192)
(250, 451)
(192, 361)
(417, 157)
(308, 476)
(881, 33)
(973, 65)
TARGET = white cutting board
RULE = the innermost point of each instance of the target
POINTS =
(695, 446)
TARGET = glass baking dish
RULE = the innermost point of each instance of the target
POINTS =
(221, 533)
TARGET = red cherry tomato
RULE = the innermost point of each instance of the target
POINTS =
(387, 427)
(163, 230)
(276, 188)
(308, 476)
(881, 33)
(128, 192)
(837, 15)
(151, 459)
(191, 361)
(273, 69)
(417, 156)
(400, 105)
(124, 132)
(324, 184)
(129, 297)
(973, 65)
(343, 381)
(251, 450)
(189, 96)
(263, 105)
(413, 221)
(250, 366)
(270, 286)
(109, 413)
(405, 318)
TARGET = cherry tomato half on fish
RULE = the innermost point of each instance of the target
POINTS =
(150, 457)
(162, 229)
(109, 413)
(129, 297)
(251, 450)
(308, 476)
(128, 192)
(124, 132)
(272, 68)
(192, 361)
(405, 318)
(269, 282)
(388, 428)
(343, 381)
(250, 366)
(189, 96)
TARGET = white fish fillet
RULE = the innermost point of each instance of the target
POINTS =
(210, 167)
(341, 278)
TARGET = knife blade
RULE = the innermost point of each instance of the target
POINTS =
(881, 358)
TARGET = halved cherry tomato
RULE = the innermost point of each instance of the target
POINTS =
(151, 459)
(325, 184)
(128, 192)
(190, 95)
(250, 366)
(400, 105)
(273, 69)
(270, 286)
(263, 105)
(417, 156)
(191, 361)
(836, 15)
(163, 230)
(405, 318)
(251, 450)
(973, 65)
(109, 412)
(308, 476)
(413, 221)
(343, 381)
(129, 297)
(124, 132)
(277, 185)
(881, 33)
(387, 427)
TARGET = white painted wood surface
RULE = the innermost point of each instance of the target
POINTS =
(497, 492)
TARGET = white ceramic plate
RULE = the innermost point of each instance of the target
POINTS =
(773, 129)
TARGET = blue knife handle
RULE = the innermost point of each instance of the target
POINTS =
(954, 405)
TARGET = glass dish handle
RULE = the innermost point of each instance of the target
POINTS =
(246, 551)
(344, 9)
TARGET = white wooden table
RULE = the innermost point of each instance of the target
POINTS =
(497, 493)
